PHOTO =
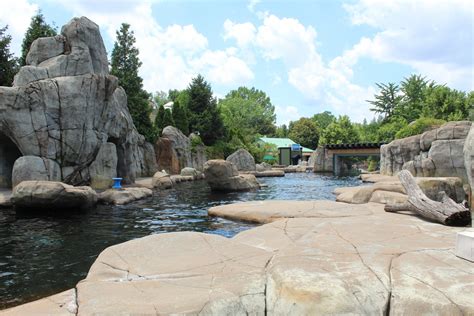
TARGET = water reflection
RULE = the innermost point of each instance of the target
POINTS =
(42, 254)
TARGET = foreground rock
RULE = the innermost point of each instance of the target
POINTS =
(69, 116)
(222, 175)
(124, 196)
(322, 265)
(49, 195)
(242, 160)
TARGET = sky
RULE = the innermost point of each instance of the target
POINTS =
(308, 56)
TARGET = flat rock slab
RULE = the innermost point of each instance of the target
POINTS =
(176, 273)
(269, 211)
(124, 196)
(371, 263)
(269, 173)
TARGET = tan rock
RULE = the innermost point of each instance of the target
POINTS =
(61, 304)
(124, 196)
(269, 211)
(387, 197)
(270, 173)
(5, 198)
(52, 196)
(176, 273)
(223, 175)
(162, 180)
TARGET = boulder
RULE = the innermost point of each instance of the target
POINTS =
(242, 160)
(124, 196)
(104, 167)
(5, 199)
(162, 180)
(469, 161)
(29, 168)
(270, 173)
(50, 195)
(174, 151)
(222, 175)
(69, 106)
(263, 167)
(190, 172)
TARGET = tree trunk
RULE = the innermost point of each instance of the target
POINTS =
(446, 212)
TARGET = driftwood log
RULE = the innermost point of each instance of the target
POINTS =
(446, 212)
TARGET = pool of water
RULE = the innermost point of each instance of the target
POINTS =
(42, 254)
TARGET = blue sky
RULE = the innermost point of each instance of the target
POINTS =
(308, 56)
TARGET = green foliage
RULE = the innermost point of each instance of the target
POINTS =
(160, 115)
(323, 119)
(420, 126)
(8, 63)
(203, 114)
(368, 132)
(339, 132)
(387, 101)
(180, 118)
(281, 131)
(252, 108)
(124, 65)
(160, 98)
(38, 28)
(168, 119)
(305, 132)
(372, 164)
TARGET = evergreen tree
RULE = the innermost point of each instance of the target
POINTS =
(38, 28)
(159, 118)
(125, 64)
(203, 114)
(8, 63)
(180, 118)
(168, 119)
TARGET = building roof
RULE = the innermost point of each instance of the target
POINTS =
(282, 142)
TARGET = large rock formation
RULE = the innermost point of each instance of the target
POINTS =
(175, 151)
(243, 160)
(66, 109)
(222, 175)
(436, 153)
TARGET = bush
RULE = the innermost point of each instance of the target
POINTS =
(419, 126)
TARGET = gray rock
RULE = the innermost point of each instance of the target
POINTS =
(260, 167)
(49, 195)
(190, 172)
(104, 167)
(243, 160)
(35, 168)
(223, 175)
(45, 48)
(65, 106)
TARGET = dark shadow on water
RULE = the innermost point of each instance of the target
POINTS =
(43, 254)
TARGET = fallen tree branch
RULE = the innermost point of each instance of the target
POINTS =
(446, 212)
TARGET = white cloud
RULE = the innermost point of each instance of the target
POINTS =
(17, 15)
(252, 4)
(243, 33)
(285, 114)
(433, 37)
(171, 56)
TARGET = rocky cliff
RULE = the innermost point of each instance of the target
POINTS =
(66, 109)
(436, 153)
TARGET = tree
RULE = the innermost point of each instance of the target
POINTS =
(203, 114)
(180, 117)
(387, 101)
(414, 92)
(125, 64)
(305, 132)
(168, 119)
(8, 63)
(282, 131)
(160, 98)
(339, 132)
(38, 28)
(258, 108)
(160, 116)
(323, 119)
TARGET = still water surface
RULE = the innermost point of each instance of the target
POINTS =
(42, 254)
